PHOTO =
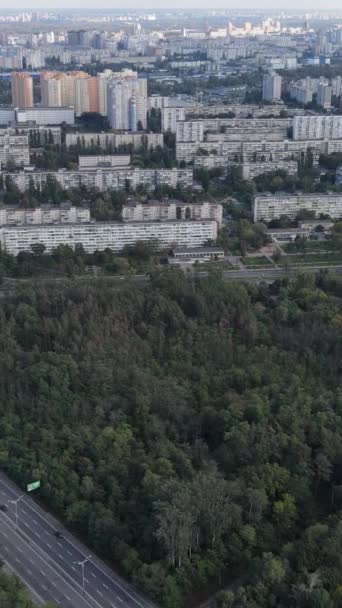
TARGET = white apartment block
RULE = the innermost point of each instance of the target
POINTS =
(251, 170)
(127, 103)
(271, 88)
(104, 140)
(211, 162)
(97, 236)
(170, 117)
(46, 214)
(270, 207)
(256, 151)
(46, 116)
(104, 178)
(317, 127)
(14, 149)
(246, 124)
(190, 130)
(104, 160)
(170, 210)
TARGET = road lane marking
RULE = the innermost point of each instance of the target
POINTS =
(47, 519)
(94, 575)
(60, 544)
(86, 580)
(50, 547)
(69, 553)
(5, 535)
(20, 550)
(99, 592)
(29, 571)
(42, 572)
(59, 555)
(45, 588)
(105, 586)
(55, 567)
(35, 522)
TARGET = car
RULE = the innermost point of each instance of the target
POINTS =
(58, 534)
(3, 508)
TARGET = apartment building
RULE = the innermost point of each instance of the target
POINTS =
(115, 140)
(170, 118)
(77, 89)
(22, 90)
(104, 178)
(317, 127)
(270, 207)
(14, 149)
(127, 101)
(46, 214)
(96, 236)
(170, 210)
(46, 116)
(190, 130)
(271, 87)
(251, 170)
(104, 160)
(257, 151)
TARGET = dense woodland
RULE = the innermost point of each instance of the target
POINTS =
(190, 431)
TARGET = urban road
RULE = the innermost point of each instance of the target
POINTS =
(243, 274)
(50, 566)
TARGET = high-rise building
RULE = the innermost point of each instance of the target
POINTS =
(324, 94)
(77, 89)
(271, 88)
(127, 101)
(22, 90)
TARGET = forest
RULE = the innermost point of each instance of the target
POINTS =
(190, 431)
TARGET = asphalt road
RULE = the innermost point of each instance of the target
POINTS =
(46, 564)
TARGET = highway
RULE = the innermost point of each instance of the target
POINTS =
(46, 564)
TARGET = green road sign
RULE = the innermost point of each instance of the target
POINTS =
(33, 486)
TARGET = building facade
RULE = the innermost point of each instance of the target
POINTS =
(270, 207)
(97, 236)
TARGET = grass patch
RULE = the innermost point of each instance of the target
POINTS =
(256, 261)
(313, 258)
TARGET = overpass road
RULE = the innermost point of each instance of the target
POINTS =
(49, 566)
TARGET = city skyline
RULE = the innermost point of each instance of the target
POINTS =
(177, 4)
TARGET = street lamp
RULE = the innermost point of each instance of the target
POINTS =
(82, 564)
(15, 503)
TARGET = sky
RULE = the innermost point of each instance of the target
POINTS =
(187, 4)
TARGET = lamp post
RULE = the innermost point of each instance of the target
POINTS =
(15, 503)
(82, 564)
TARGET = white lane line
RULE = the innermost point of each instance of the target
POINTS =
(35, 522)
(86, 580)
(69, 553)
(17, 560)
(42, 572)
(119, 598)
(53, 583)
(55, 568)
(36, 534)
(94, 575)
(105, 586)
(20, 550)
(4, 547)
(5, 535)
(60, 544)
(50, 547)
(73, 568)
(99, 592)
(49, 521)
(56, 600)
(31, 561)
(59, 555)
(23, 511)
(68, 598)
(29, 571)
(45, 588)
